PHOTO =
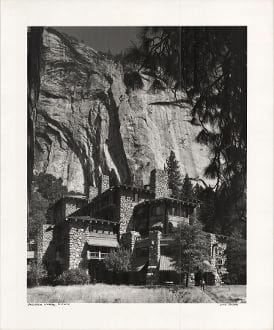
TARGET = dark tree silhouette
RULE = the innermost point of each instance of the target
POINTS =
(174, 176)
(187, 188)
(236, 259)
(209, 64)
(191, 249)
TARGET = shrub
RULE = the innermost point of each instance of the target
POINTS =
(73, 276)
(118, 261)
(36, 274)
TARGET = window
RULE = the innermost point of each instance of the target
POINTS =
(158, 210)
(135, 197)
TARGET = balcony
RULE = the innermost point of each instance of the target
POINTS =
(96, 255)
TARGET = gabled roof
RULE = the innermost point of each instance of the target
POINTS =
(105, 240)
(170, 199)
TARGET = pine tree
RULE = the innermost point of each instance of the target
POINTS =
(236, 259)
(187, 188)
(206, 214)
(191, 249)
(174, 176)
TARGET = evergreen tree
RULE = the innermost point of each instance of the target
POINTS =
(174, 175)
(118, 261)
(209, 64)
(191, 249)
(206, 213)
(187, 188)
(236, 259)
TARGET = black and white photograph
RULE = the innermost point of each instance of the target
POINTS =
(136, 165)
(137, 145)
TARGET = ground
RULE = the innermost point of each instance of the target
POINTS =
(133, 294)
(227, 293)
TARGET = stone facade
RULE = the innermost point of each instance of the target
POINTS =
(77, 241)
(159, 183)
(109, 219)
(46, 252)
(218, 258)
(103, 183)
(126, 211)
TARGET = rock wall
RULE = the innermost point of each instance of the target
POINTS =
(87, 120)
(126, 213)
(77, 241)
(159, 183)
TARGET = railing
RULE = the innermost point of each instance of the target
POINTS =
(96, 255)
(140, 238)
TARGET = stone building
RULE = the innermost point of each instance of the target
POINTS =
(87, 228)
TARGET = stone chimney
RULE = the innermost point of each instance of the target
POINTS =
(159, 183)
(103, 183)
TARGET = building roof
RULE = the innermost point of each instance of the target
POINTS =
(167, 263)
(70, 196)
(169, 199)
(105, 240)
(123, 186)
(89, 219)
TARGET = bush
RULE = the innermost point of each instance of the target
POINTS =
(118, 261)
(73, 276)
(36, 275)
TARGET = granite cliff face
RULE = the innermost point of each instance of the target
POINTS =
(87, 120)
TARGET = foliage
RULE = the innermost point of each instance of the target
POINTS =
(73, 276)
(49, 187)
(191, 249)
(118, 261)
(209, 64)
(45, 190)
(187, 188)
(133, 80)
(206, 212)
(37, 213)
(37, 273)
(174, 175)
(236, 259)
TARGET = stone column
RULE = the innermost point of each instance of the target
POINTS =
(103, 183)
(46, 247)
(126, 213)
(77, 240)
(213, 243)
(159, 183)
(154, 257)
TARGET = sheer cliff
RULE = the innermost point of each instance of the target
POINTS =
(87, 120)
